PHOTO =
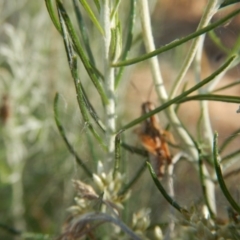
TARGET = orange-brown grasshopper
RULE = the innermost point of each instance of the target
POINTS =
(153, 139)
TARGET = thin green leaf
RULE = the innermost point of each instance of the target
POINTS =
(235, 51)
(92, 111)
(83, 31)
(97, 4)
(230, 156)
(176, 43)
(220, 177)
(78, 48)
(128, 44)
(217, 41)
(179, 97)
(69, 146)
(134, 150)
(226, 86)
(134, 179)
(211, 97)
(228, 2)
(84, 111)
(164, 193)
(52, 14)
(229, 140)
(73, 67)
(115, 8)
(91, 15)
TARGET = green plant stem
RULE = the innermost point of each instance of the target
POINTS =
(220, 177)
(176, 43)
(108, 79)
(150, 47)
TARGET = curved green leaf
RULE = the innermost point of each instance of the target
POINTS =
(220, 177)
(92, 15)
(78, 48)
(176, 43)
(211, 97)
(163, 191)
(69, 146)
(52, 15)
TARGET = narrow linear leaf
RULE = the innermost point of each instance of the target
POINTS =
(115, 8)
(217, 41)
(232, 173)
(211, 97)
(83, 31)
(179, 97)
(128, 44)
(226, 86)
(230, 156)
(176, 43)
(134, 149)
(83, 108)
(163, 191)
(92, 111)
(78, 48)
(134, 179)
(52, 15)
(92, 15)
(229, 140)
(228, 2)
(97, 4)
(220, 177)
(63, 135)
(72, 60)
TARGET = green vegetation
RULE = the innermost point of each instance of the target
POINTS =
(69, 164)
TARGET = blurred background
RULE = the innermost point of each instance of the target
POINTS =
(35, 166)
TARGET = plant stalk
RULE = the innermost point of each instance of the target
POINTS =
(109, 79)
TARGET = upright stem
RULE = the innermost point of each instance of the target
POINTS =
(150, 46)
(108, 78)
(207, 129)
(209, 11)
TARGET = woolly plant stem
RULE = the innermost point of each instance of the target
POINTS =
(150, 47)
(108, 78)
